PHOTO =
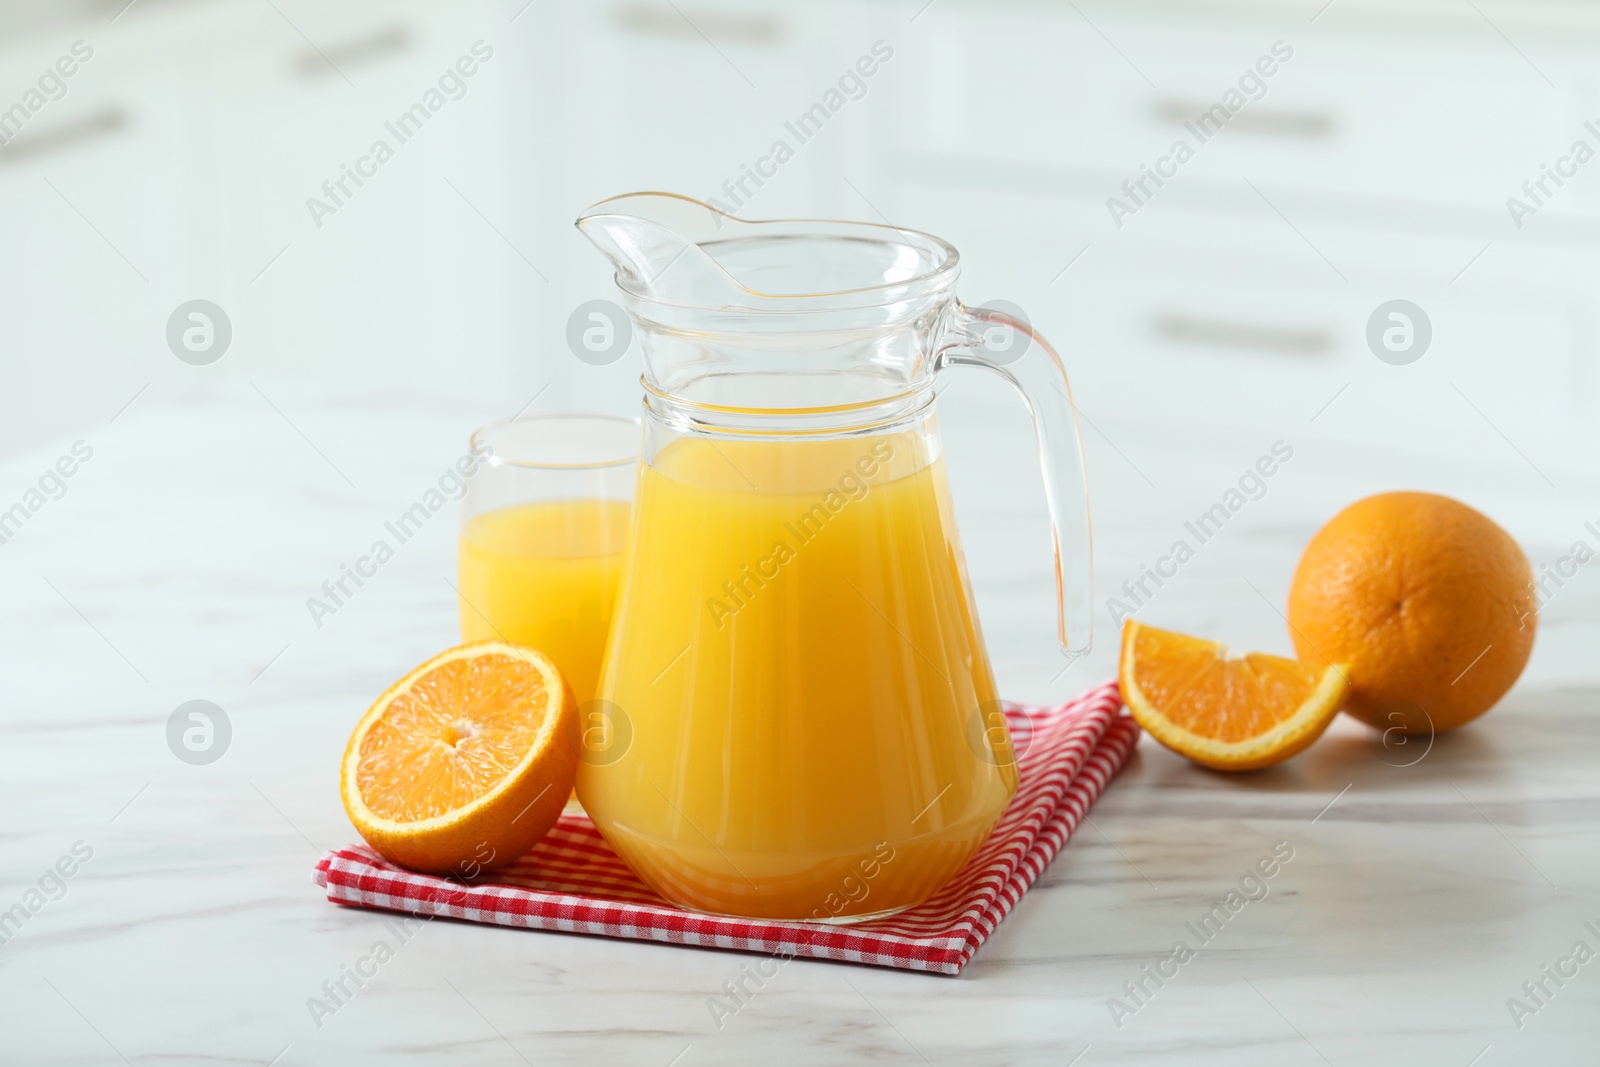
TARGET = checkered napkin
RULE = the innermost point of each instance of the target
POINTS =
(572, 883)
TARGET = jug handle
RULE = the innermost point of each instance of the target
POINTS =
(1037, 373)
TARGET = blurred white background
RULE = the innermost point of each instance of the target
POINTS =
(178, 163)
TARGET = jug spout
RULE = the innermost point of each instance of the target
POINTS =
(678, 250)
(655, 242)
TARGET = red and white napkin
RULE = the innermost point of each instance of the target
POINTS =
(571, 882)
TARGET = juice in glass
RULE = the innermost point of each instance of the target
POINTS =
(798, 659)
(544, 574)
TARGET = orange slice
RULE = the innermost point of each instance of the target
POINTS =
(1226, 711)
(465, 762)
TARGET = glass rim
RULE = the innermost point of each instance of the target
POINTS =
(479, 439)
(934, 278)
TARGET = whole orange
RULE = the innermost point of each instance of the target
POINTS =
(1430, 602)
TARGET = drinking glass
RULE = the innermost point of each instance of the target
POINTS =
(544, 526)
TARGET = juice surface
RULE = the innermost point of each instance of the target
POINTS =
(799, 664)
(545, 575)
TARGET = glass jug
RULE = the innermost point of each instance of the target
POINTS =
(799, 716)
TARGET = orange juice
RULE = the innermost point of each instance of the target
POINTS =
(798, 662)
(545, 575)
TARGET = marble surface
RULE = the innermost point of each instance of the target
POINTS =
(1426, 883)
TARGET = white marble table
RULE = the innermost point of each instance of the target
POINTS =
(1419, 898)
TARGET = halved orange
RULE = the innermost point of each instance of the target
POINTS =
(466, 762)
(1226, 711)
